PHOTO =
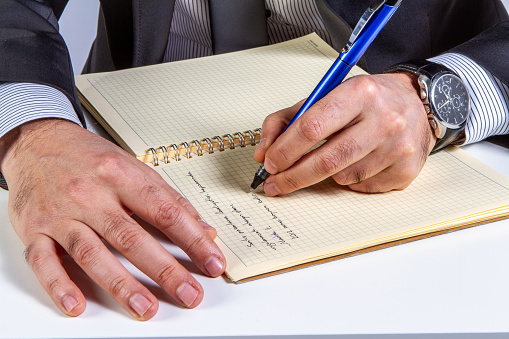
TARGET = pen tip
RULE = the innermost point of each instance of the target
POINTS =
(251, 189)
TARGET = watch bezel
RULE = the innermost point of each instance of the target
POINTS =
(431, 90)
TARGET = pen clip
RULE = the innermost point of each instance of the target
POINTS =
(363, 21)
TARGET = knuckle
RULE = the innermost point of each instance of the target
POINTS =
(399, 124)
(271, 123)
(167, 214)
(53, 286)
(358, 175)
(110, 164)
(119, 230)
(197, 245)
(408, 174)
(150, 189)
(407, 149)
(129, 239)
(312, 129)
(279, 154)
(328, 163)
(76, 188)
(118, 286)
(273, 119)
(367, 85)
(166, 273)
(36, 259)
(84, 252)
(341, 178)
(183, 201)
(353, 177)
(291, 181)
(345, 151)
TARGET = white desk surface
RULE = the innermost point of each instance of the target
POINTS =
(457, 282)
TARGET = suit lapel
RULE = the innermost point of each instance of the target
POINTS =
(152, 20)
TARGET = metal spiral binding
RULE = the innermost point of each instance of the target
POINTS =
(154, 155)
(230, 140)
(220, 142)
(242, 140)
(252, 138)
(187, 148)
(197, 144)
(209, 144)
(166, 159)
(176, 152)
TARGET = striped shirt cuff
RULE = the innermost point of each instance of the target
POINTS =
(489, 97)
(24, 102)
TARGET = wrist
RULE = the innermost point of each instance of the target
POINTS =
(410, 82)
(444, 96)
(29, 136)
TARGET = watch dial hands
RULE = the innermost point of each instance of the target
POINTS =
(451, 103)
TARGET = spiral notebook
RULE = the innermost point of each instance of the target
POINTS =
(196, 123)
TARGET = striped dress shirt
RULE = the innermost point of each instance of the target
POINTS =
(190, 38)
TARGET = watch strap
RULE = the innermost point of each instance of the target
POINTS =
(418, 67)
(450, 136)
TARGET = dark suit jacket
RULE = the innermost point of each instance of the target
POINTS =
(134, 33)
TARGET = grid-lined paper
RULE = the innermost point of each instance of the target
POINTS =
(271, 231)
(195, 99)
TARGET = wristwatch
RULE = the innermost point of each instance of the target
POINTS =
(444, 96)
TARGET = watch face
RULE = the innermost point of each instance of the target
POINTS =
(450, 101)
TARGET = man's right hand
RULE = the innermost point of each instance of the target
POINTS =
(69, 190)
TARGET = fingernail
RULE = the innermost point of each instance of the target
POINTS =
(261, 145)
(139, 304)
(214, 266)
(187, 294)
(69, 303)
(269, 166)
(271, 189)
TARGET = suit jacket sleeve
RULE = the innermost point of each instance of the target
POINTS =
(490, 49)
(31, 48)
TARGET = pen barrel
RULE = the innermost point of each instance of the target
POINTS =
(346, 60)
(368, 34)
(336, 73)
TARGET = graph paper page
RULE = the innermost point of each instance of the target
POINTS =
(194, 99)
(258, 233)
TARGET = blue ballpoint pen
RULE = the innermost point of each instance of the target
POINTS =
(366, 30)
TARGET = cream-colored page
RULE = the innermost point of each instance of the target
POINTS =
(194, 99)
(259, 234)
(183, 101)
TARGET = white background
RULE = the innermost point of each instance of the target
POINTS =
(78, 26)
(453, 283)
